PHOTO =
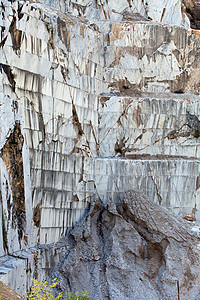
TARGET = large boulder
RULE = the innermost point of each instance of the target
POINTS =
(134, 250)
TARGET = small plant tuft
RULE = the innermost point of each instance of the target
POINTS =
(43, 291)
(78, 296)
(179, 92)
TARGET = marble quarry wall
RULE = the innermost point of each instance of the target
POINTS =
(96, 97)
(18, 269)
(171, 12)
(49, 102)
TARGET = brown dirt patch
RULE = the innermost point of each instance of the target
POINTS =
(7, 293)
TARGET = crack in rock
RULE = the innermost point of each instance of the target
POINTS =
(130, 251)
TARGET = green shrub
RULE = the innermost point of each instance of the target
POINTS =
(78, 296)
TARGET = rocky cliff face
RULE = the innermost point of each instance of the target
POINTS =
(96, 97)
(166, 11)
(136, 250)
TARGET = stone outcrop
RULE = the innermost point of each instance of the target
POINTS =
(96, 97)
(72, 105)
(151, 125)
(18, 269)
(165, 11)
(135, 250)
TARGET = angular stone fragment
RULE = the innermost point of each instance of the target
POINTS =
(189, 217)
(135, 250)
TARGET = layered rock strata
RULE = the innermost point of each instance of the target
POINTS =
(171, 12)
(90, 106)
(18, 269)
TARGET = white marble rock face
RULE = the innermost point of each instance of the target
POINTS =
(164, 11)
(50, 87)
(149, 126)
(90, 100)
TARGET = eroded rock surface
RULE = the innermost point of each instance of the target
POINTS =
(97, 97)
(136, 250)
(192, 9)
(165, 11)
(16, 211)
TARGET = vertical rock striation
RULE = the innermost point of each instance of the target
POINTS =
(96, 97)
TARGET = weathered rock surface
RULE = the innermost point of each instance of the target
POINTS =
(150, 57)
(57, 104)
(136, 250)
(92, 103)
(165, 11)
(157, 124)
(18, 269)
(192, 9)
(169, 181)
